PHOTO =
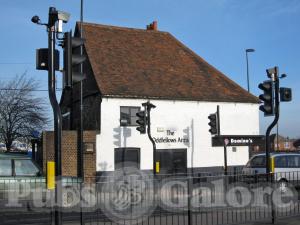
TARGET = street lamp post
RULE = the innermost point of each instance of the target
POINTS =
(247, 51)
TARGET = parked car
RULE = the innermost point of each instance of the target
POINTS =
(18, 165)
(20, 168)
(285, 167)
(2, 147)
(18, 146)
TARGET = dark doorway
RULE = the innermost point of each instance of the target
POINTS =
(172, 161)
(125, 157)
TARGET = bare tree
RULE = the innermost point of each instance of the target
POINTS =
(21, 112)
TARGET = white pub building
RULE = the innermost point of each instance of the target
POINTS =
(126, 67)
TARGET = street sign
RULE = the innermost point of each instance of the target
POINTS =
(237, 140)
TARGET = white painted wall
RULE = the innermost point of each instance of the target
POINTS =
(236, 118)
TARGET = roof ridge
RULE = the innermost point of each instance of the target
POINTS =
(121, 28)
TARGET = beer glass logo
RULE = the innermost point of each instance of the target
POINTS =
(128, 196)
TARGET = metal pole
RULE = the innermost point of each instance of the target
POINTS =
(56, 113)
(218, 120)
(81, 160)
(225, 145)
(276, 82)
(81, 120)
(275, 79)
(190, 193)
(248, 86)
(148, 108)
(225, 160)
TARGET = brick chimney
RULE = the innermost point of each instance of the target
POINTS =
(152, 26)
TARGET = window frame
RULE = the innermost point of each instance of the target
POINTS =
(279, 160)
(288, 161)
(138, 150)
(11, 168)
(130, 116)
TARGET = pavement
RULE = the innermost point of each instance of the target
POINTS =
(159, 220)
(283, 221)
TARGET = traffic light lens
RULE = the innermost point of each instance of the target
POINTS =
(213, 123)
(265, 97)
(142, 121)
(267, 85)
(142, 130)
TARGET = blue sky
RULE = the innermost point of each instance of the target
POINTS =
(217, 30)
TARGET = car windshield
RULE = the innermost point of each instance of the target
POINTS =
(25, 167)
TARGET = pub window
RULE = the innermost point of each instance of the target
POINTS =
(127, 157)
(128, 115)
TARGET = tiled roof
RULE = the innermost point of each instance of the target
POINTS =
(136, 63)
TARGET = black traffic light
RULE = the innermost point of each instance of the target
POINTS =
(213, 123)
(285, 94)
(72, 59)
(267, 97)
(142, 122)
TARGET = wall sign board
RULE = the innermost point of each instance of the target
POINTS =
(237, 140)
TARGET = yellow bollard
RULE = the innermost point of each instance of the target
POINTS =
(157, 167)
(50, 175)
(272, 164)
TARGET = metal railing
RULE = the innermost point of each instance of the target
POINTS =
(135, 197)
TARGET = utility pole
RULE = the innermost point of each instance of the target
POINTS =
(149, 106)
(81, 119)
(56, 112)
(271, 100)
(81, 164)
(274, 75)
(55, 17)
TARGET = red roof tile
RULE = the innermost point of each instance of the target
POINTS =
(139, 63)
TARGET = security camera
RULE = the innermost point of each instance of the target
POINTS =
(271, 72)
(63, 16)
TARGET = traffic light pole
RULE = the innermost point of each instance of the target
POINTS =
(148, 106)
(81, 166)
(275, 79)
(225, 160)
(225, 144)
(56, 113)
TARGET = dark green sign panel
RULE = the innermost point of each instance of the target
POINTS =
(237, 140)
